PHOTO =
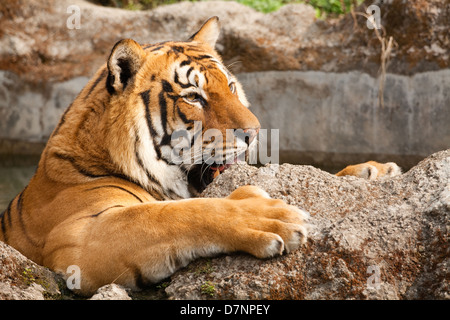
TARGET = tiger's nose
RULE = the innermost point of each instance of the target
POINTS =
(250, 135)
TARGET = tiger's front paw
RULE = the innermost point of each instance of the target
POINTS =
(268, 227)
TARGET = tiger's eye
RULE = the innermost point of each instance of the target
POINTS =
(232, 87)
(193, 97)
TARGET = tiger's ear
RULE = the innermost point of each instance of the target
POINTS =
(208, 33)
(125, 60)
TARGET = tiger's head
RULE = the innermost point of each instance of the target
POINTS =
(169, 104)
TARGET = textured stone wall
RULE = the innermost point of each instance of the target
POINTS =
(324, 113)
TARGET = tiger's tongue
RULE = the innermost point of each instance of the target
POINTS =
(220, 169)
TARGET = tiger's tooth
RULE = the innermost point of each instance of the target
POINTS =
(216, 173)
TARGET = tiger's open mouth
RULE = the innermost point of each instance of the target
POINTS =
(216, 169)
(202, 175)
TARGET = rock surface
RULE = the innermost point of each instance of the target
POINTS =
(111, 292)
(384, 239)
(22, 279)
(53, 47)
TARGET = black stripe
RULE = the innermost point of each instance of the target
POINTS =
(146, 98)
(178, 48)
(189, 72)
(165, 141)
(92, 175)
(145, 95)
(203, 57)
(19, 208)
(140, 281)
(117, 187)
(8, 212)
(150, 176)
(99, 213)
(183, 85)
(193, 140)
(174, 98)
(167, 87)
(139, 161)
(20, 202)
(76, 166)
(183, 116)
(96, 82)
(161, 192)
(191, 47)
(163, 110)
(3, 215)
(185, 62)
(157, 48)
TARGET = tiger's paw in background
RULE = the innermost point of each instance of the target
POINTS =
(371, 170)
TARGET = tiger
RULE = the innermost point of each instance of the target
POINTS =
(107, 197)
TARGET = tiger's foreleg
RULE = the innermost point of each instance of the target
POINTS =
(146, 243)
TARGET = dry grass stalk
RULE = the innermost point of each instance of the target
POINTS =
(386, 48)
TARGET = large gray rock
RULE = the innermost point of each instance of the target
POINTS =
(385, 239)
(22, 279)
(111, 292)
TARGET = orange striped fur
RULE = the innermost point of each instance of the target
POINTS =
(106, 196)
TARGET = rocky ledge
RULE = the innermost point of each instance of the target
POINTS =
(386, 239)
